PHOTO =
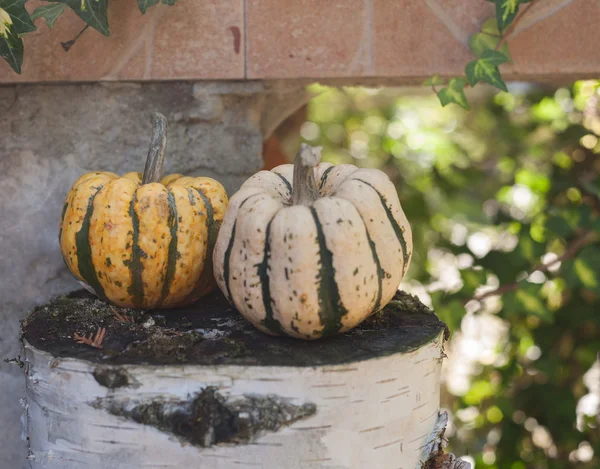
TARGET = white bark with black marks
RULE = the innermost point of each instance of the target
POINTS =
(377, 413)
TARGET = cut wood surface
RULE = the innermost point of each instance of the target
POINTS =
(200, 387)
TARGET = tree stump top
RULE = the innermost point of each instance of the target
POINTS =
(211, 332)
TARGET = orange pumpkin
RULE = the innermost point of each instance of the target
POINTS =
(141, 243)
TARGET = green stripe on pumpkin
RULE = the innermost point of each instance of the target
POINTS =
(172, 251)
(136, 289)
(213, 230)
(324, 177)
(84, 250)
(62, 220)
(331, 309)
(227, 257)
(380, 270)
(397, 229)
(263, 273)
(226, 263)
(286, 182)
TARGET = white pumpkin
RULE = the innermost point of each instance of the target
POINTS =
(309, 250)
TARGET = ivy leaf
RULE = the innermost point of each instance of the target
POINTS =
(18, 17)
(93, 12)
(49, 12)
(434, 80)
(454, 93)
(486, 69)
(11, 47)
(14, 22)
(490, 26)
(143, 5)
(488, 39)
(506, 11)
(495, 57)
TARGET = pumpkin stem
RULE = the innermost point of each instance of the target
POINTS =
(305, 187)
(156, 153)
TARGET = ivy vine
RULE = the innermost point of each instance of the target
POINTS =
(490, 49)
(15, 22)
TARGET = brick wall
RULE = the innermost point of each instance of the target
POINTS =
(266, 39)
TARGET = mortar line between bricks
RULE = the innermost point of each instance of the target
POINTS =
(440, 13)
(245, 9)
(371, 38)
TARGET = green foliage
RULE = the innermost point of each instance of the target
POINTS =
(15, 21)
(488, 39)
(435, 80)
(486, 69)
(519, 175)
(92, 12)
(582, 272)
(49, 12)
(21, 23)
(490, 48)
(145, 4)
(506, 12)
(11, 48)
(454, 93)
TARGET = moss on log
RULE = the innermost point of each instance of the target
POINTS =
(211, 332)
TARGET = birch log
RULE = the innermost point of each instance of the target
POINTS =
(200, 387)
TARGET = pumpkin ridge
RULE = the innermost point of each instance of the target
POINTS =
(172, 250)
(331, 308)
(380, 270)
(213, 229)
(324, 177)
(85, 264)
(286, 182)
(227, 255)
(263, 272)
(397, 229)
(62, 219)
(136, 289)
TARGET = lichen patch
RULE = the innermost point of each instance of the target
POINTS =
(209, 418)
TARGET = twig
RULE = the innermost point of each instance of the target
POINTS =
(92, 341)
(122, 317)
(580, 242)
(68, 44)
(513, 25)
